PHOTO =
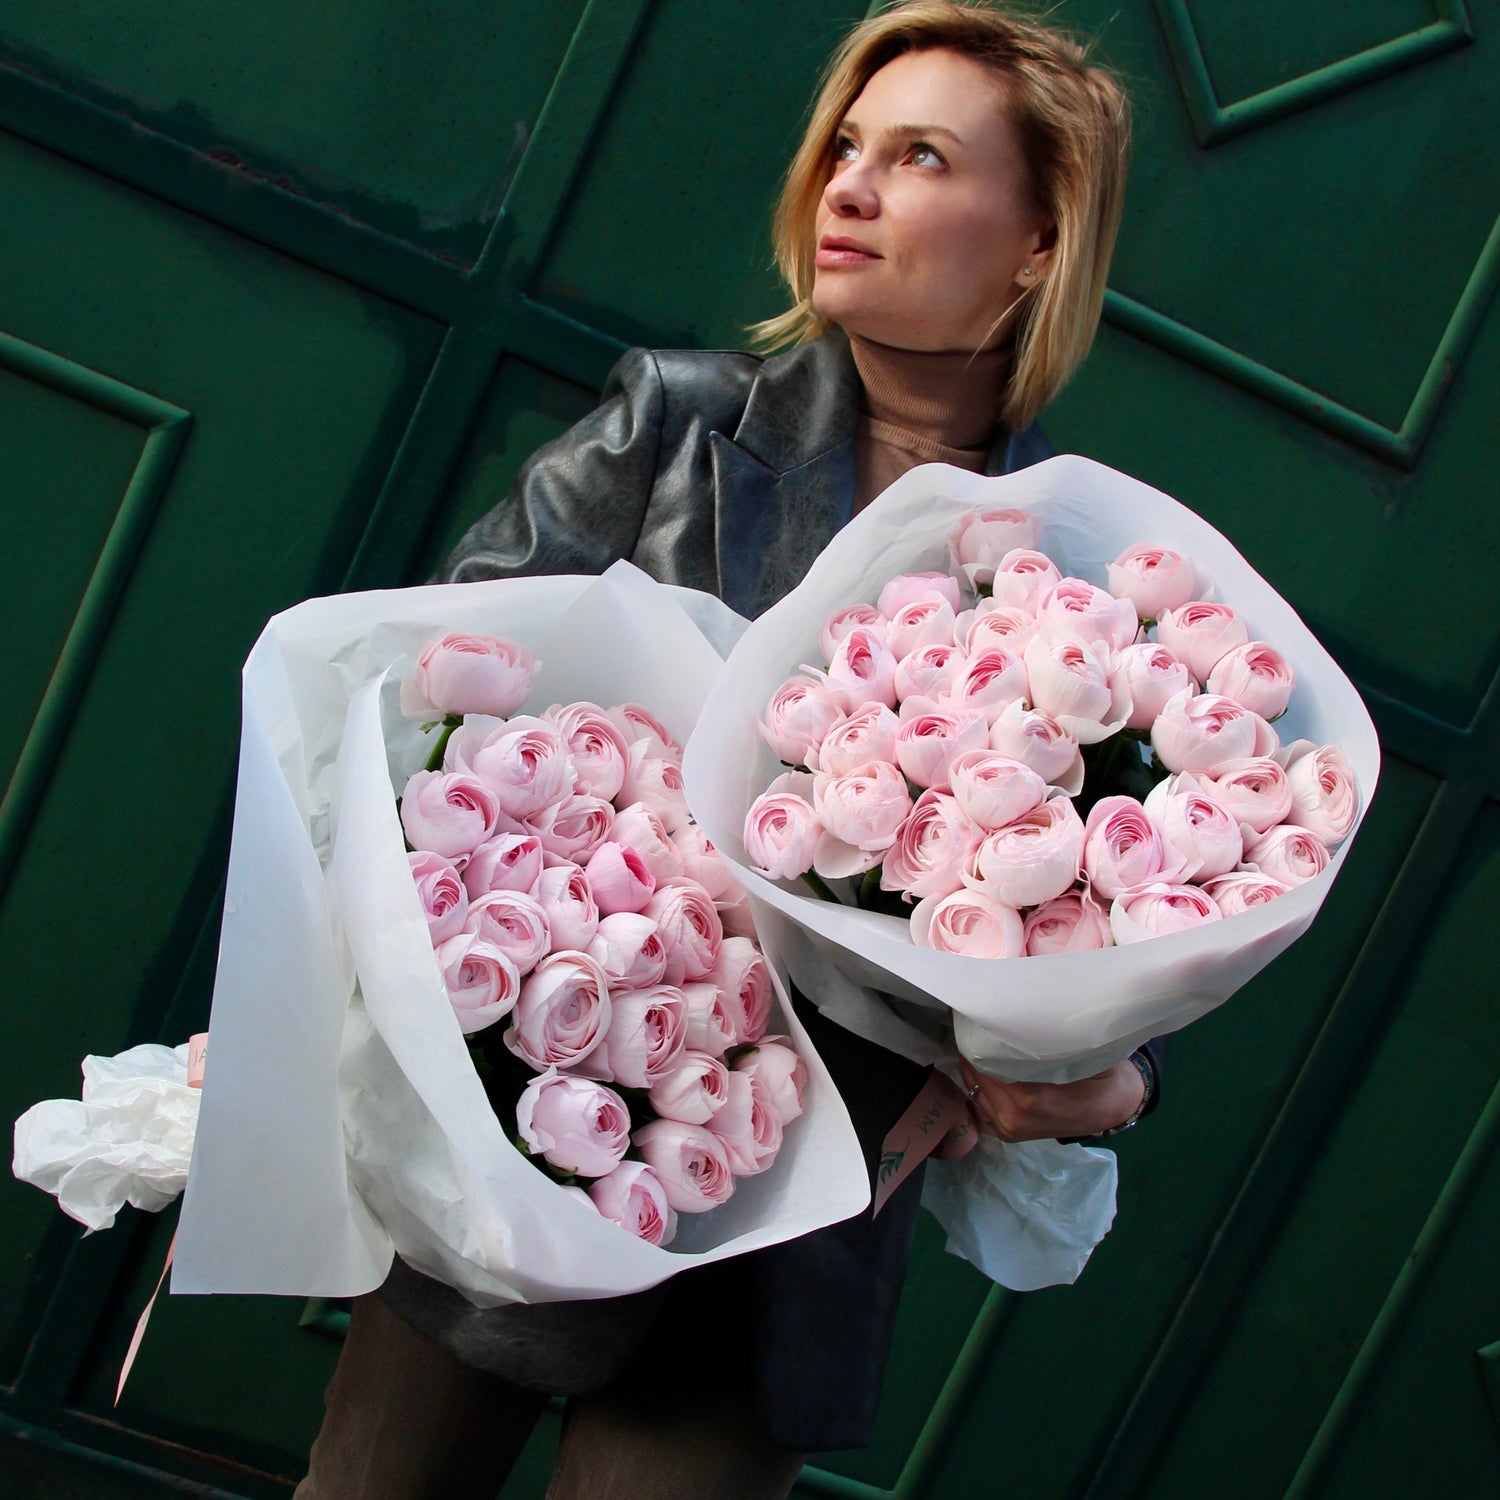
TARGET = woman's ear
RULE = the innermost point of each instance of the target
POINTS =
(1038, 256)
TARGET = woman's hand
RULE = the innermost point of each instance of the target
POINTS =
(1051, 1111)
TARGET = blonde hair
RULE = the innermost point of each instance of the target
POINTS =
(1073, 123)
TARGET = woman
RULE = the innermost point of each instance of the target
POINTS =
(945, 231)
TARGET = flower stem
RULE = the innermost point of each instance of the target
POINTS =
(820, 888)
(435, 760)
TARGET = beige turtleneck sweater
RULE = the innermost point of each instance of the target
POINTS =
(923, 408)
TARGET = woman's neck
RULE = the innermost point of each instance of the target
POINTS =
(950, 398)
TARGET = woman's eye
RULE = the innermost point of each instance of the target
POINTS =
(844, 149)
(923, 155)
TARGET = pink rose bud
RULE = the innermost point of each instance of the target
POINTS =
(711, 1018)
(1199, 825)
(640, 828)
(781, 833)
(656, 782)
(445, 902)
(468, 674)
(1039, 741)
(979, 541)
(930, 849)
(1287, 853)
(449, 815)
(1006, 625)
(507, 862)
(563, 894)
(482, 982)
(867, 734)
(515, 923)
(597, 747)
(865, 807)
(1152, 675)
(749, 1125)
(908, 588)
(1154, 579)
(1253, 791)
(1199, 633)
(703, 863)
(1256, 676)
(1203, 733)
(691, 1162)
(562, 1013)
(989, 682)
(640, 725)
(1123, 847)
(618, 878)
(573, 828)
(1031, 860)
(927, 672)
(923, 622)
(646, 1037)
(1070, 923)
(475, 731)
(693, 1091)
(527, 765)
(690, 928)
(863, 670)
(1078, 683)
(800, 713)
(1088, 613)
(970, 923)
(629, 949)
(578, 1125)
(842, 621)
(1240, 890)
(776, 1063)
(993, 789)
(633, 1197)
(1325, 799)
(928, 740)
(744, 980)
(1157, 910)
(1022, 577)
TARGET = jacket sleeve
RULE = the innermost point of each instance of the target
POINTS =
(579, 501)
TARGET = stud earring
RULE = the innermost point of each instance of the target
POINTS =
(1027, 271)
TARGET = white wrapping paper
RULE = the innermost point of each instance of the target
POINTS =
(328, 991)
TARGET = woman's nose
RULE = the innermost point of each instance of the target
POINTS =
(851, 194)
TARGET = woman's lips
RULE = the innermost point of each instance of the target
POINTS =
(834, 253)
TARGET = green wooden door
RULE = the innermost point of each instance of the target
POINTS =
(286, 294)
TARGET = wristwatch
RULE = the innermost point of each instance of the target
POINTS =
(1148, 1077)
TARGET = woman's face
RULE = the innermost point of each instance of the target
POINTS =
(926, 228)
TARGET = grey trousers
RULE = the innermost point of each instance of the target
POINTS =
(406, 1421)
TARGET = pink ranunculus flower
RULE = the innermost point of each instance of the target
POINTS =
(596, 745)
(573, 828)
(1199, 633)
(867, 734)
(1256, 676)
(563, 894)
(989, 682)
(638, 827)
(563, 1012)
(693, 1091)
(738, 919)
(979, 541)
(711, 1017)
(907, 588)
(1197, 824)
(927, 672)
(748, 1124)
(527, 765)
(800, 713)
(633, 1197)
(781, 834)
(931, 734)
(629, 949)
(863, 670)
(1006, 625)
(691, 1162)
(475, 731)
(440, 888)
(1254, 791)
(468, 674)
(775, 1062)
(744, 979)
(922, 622)
(1124, 847)
(1240, 890)
(507, 862)
(994, 789)
(638, 725)
(842, 621)
(646, 1037)
(1078, 684)
(703, 863)
(967, 922)
(1037, 740)
(448, 814)
(656, 781)
(1155, 579)
(578, 1125)
(1022, 577)
(515, 923)
(482, 982)
(690, 928)
(1031, 860)
(619, 878)
(1087, 613)
(930, 849)
(1070, 923)
(1152, 676)
(1160, 909)
(1325, 797)
(864, 807)
(1287, 853)
(1202, 732)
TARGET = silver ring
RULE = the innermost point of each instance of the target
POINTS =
(973, 1092)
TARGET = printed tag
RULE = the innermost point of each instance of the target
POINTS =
(197, 1057)
(929, 1117)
